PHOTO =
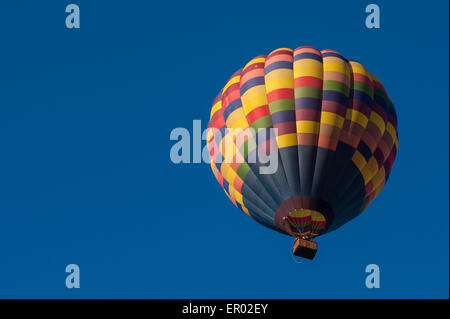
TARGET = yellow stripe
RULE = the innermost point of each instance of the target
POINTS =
(253, 98)
(332, 119)
(308, 127)
(308, 67)
(214, 168)
(279, 83)
(379, 177)
(316, 216)
(373, 164)
(230, 175)
(333, 60)
(239, 123)
(336, 65)
(357, 117)
(239, 198)
(369, 170)
(359, 68)
(391, 130)
(254, 61)
(287, 140)
(209, 135)
(232, 81)
(379, 188)
(378, 121)
(228, 150)
(374, 78)
(359, 160)
(300, 213)
(366, 175)
(224, 169)
(215, 108)
(232, 192)
(237, 119)
(281, 49)
(279, 74)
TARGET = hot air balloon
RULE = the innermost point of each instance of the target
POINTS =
(334, 135)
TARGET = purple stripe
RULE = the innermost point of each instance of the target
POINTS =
(379, 157)
(334, 96)
(278, 65)
(364, 150)
(264, 134)
(332, 54)
(251, 83)
(381, 101)
(361, 96)
(307, 55)
(231, 107)
(283, 116)
(308, 103)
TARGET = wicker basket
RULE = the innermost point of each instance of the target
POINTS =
(305, 248)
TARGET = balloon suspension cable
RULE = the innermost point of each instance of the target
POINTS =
(296, 260)
(286, 220)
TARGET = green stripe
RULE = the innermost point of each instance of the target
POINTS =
(243, 170)
(263, 122)
(308, 91)
(248, 146)
(363, 87)
(383, 95)
(331, 85)
(282, 105)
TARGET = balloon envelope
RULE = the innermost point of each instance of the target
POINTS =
(323, 121)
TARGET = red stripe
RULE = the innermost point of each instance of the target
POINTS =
(217, 99)
(286, 128)
(362, 78)
(279, 53)
(258, 113)
(308, 81)
(220, 178)
(300, 219)
(307, 115)
(252, 67)
(232, 93)
(306, 47)
(217, 120)
(334, 107)
(377, 108)
(280, 94)
(393, 120)
(360, 106)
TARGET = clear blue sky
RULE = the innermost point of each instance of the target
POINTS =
(85, 173)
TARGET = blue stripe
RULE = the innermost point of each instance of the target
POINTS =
(226, 185)
(308, 103)
(251, 83)
(231, 107)
(379, 157)
(264, 134)
(331, 54)
(307, 55)
(361, 96)
(335, 96)
(278, 65)
(382, 102)
(283, 116)
(364, 150)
